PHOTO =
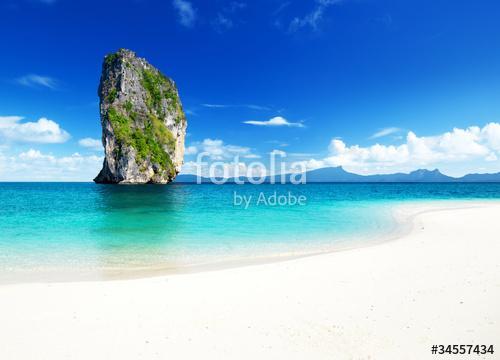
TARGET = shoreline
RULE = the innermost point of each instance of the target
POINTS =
(404, 215)
(438, 284)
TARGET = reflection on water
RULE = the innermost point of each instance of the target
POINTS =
(136, 222)
(137, 215)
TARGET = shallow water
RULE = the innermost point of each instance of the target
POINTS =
(82, 227)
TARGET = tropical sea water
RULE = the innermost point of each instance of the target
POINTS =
(66, 230)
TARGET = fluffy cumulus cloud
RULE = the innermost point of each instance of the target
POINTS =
(185, 11)
(491, 133)
(467, 147)
(92, 144)
(33, 165)
(249, 165)
(217, 150)
(43, 131)
(275, 121)
(230, 160)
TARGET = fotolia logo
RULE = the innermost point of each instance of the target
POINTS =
(256, 173)
(220, 172)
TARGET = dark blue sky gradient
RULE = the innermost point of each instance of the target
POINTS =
(426, 66)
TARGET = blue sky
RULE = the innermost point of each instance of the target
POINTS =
(337, 77)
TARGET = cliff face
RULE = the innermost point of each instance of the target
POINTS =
(143, 124)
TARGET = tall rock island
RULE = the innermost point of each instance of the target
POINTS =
(143, 124)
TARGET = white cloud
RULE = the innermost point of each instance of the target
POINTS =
(278, 143)
(222, 22)
(33, 165)
(191, 150)
(278, 152)
(226, 17)
(217, 150)
(235, 6)
(43, 131)
(301, 155)
(275, 121)
(185, 11)
(225, 106)
(491, 157)
(34, 80)
(491, 133)
(94, 144)
(385, 132)
(189, 167)
(33, 155)
(256, 107)
(313, 18)
(7, 121)
(464, 147)
(226, 170)
(216, 106)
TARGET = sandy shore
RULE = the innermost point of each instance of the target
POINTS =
(439, 284)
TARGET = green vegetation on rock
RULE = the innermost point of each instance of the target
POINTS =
(148, 142)
(110, 58)
(121, 126)
(112, 95)
(128, 106)
(153, 83)
(158, 87)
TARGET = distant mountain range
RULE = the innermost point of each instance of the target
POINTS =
(338, 174)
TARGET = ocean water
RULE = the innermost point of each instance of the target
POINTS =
(86, 229)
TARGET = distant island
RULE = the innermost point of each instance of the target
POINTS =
(339, 175)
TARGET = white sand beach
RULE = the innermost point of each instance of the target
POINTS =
(439, 284)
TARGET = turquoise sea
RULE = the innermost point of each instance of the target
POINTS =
(84, 229)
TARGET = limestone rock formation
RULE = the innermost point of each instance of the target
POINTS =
(143, 124)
